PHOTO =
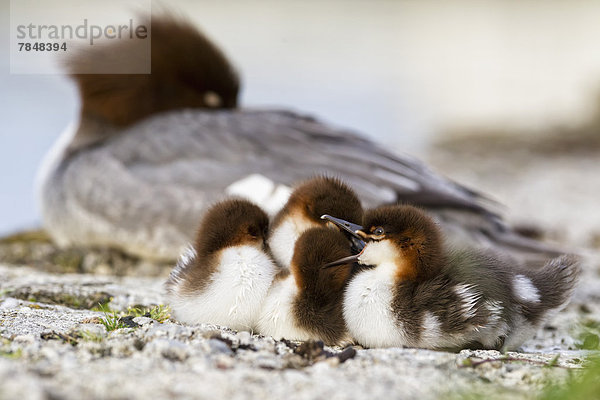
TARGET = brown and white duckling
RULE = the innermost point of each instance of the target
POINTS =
(420, 294)
(303, 210)
(225, 277)
(307, 303)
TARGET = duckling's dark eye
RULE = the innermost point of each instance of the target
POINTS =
(378, 231)
(253, 231)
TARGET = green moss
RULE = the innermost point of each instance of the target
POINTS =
(90, 336)
(64, 299)
(37, 236)
(112, 320)
(11, 354)
(69, 260)
(553, 362)
(35, 249)
(103, 306)
(159, 313)
(6, 352)
(583, 384)
(588, 335)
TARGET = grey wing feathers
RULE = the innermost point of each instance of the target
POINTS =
(221, 147)
(152, 181)
(96, 200)
(379, 176)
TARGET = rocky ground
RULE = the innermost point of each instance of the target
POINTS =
(91, 323)
(56, 342)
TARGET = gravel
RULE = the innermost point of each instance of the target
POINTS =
(55, 351)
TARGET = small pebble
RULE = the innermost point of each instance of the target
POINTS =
(244, 338)
(141, 321)
(25, 339)
(173, 350)
(10, 303)
(218, 346)
(223, 361)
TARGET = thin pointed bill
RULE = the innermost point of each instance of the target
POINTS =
(342, 261)
(344, 225)
(350, 229)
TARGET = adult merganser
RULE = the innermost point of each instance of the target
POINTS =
(307, 303)
(150, 152)
(304, 209)
(225, 277)
(419, 293)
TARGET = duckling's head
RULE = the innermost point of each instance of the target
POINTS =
(319, 196)
(234, 222)
(315, 248)
(303, 210)
(404, 237)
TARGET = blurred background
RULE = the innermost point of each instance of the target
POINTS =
(502, 96)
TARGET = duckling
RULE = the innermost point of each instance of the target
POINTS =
(418, 293)
(307, 303)
(305, 207)
(225, 277)
(149, 153)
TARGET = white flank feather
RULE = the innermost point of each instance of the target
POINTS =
(235, 293)
(276, 317)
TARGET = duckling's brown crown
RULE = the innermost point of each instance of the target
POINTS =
(415, 235)
(230, 223)
(326, 195)
(315, 248)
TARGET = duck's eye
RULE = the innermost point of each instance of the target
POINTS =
(253, 231)
(379, 231)
(212, 99)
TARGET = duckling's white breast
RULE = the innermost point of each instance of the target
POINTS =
(368, 309)
(235, 293)
(277, 316)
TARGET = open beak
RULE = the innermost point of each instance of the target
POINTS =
(341, 261)
(344, 225)
(350, 229)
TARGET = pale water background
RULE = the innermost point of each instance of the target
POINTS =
(400, 72)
